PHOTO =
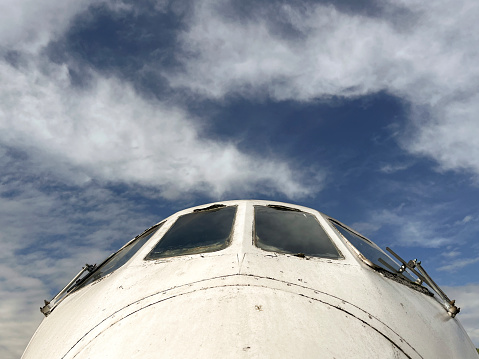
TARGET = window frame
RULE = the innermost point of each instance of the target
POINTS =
(149, 232)
(317, 217)
(405, 278)
(212, 208)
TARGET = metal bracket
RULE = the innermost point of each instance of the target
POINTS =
(46, 309)
(50, 305)
(422, 276)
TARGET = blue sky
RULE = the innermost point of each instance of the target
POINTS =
(116, 114)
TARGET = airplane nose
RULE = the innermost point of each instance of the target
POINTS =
(236, 321)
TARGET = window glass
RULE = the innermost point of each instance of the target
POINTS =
(367, 248)
(288, 230)
(202, 231)
(119, 258)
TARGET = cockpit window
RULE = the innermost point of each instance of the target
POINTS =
(368, 249)
(202, 231)
(118, 259)
(289, 230)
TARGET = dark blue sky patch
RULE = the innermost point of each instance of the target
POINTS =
(345, 130)
(130, 45)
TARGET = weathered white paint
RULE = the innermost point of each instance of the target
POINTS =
(243, 302)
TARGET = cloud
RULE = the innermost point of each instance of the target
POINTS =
(393, 168)
(448, 132)
(412, 229)
(414, 50)
(451, 254)
(423, 220)
(29, 25)
(47, 232)
(458, 264)
(247, 57)
(465, 220)
(106, 131)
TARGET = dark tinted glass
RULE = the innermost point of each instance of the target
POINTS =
(285, 230)
(118, 259)
(198, 232)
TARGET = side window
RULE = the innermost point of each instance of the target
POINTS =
(288, 230)
(119, 258)
(368, 249)
(202, 231)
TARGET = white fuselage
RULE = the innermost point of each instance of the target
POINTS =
(242, 302)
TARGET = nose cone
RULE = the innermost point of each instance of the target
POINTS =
(235, 320)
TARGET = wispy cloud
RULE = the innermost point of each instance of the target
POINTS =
(47, 233)
(317, 51)
(108, 132)
(29, 25)
(409, 228)
(451, 254)
(392, 168)
(465, 220)
(458, 264)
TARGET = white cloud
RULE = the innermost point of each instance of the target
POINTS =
(411, 229)
(465, 220)
(450, 134)
(467, 298)
(28, 25)
(451, 254)
(393, 168)
(110, 133)
(428, 58)
(458, 264)
(247, 57)
(46, 236)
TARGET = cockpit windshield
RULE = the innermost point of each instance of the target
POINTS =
(375, 255)
(119, 258)
(410, 273)
(202, 231)
(91, 273)
(289, 230)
